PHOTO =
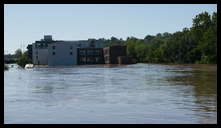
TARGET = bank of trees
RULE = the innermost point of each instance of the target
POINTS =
(197, 44)
(22, 58)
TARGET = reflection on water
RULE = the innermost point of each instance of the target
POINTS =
(203, 79)
(139, 93)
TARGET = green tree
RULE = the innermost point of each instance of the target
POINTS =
(23, 60)
(5, 67)
(18, 53)
(141, 51)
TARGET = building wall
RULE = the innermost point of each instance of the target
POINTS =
(61, 54)
(82, 44)
(39, 55)
(112, 53)
(126, 60)
(106, 52)
(90, 56)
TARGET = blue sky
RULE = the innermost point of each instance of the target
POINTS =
(24, 24)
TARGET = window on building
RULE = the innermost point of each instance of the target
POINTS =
(71, 47)
(84, 59)
(90, 52)
(71, 53)
(96, 59)
(106, 58)
(97, 52)
(82, 52)
(36, 57)
(53, 47)
(88, 59)
(53, 53)
(36, 52)
(106, 51)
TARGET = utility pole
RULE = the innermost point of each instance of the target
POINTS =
(20, 47)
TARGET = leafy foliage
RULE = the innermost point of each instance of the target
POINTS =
(197, 44)
(23, 59)
(5, 67)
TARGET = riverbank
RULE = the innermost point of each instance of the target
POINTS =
(212, 66)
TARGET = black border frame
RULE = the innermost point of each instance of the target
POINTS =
(118, 2)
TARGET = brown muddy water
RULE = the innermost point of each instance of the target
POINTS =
(139, 93)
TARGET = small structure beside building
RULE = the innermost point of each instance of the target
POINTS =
(112, 53)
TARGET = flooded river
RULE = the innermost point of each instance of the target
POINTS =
(139, 93)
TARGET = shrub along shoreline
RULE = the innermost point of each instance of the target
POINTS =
(6, 67)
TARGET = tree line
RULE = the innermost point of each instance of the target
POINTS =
(197, 44)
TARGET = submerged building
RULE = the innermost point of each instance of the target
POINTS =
(67, 53)
(59, 52)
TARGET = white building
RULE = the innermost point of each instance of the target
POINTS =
(54, 53)
(62, 54)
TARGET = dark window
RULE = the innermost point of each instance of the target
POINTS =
(90, 52)
(71, 53)
(106, 51)
(71, 47)
(96, 59)
(53, 53)
(106, 58)
(84, 59)
(88, 59)
(97, 52)
(92, 44)
(82, 52)
(36, 57)
(53, 47)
